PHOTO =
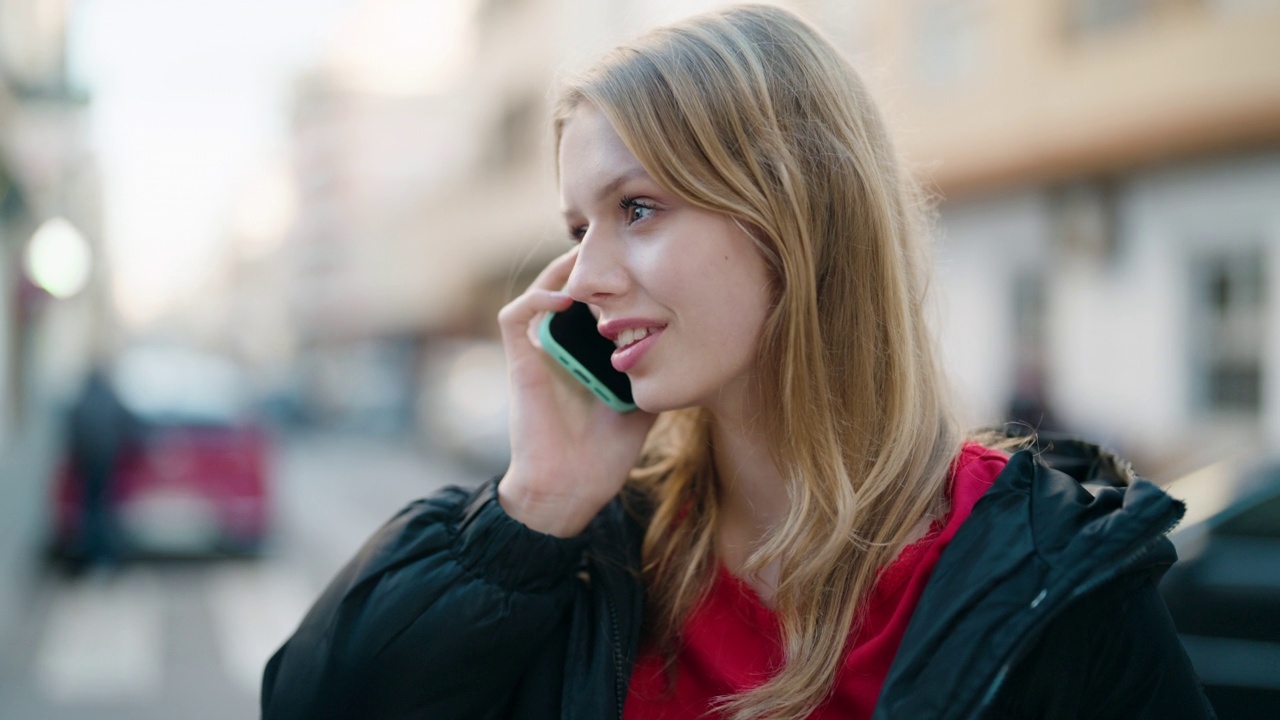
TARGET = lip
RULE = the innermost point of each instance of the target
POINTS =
(624, 359)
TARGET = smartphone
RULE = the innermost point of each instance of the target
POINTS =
(572, 339)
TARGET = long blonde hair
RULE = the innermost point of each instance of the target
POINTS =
(750, 112)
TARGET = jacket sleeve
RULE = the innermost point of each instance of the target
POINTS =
(1115, 655)
(438, 615)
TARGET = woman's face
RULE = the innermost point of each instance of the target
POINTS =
(682, 291)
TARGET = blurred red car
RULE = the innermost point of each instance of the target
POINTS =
(197, 482)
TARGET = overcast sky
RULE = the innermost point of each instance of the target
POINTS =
(188, 104)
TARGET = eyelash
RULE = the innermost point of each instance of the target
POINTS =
(627, 205)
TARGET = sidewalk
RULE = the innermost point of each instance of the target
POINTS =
(25, 468)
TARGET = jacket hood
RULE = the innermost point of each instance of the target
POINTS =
(1060, 521)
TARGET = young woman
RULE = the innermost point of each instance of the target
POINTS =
(791, 526)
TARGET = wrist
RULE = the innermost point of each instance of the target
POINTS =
(548, 513)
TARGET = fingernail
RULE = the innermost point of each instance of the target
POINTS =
(560, 296)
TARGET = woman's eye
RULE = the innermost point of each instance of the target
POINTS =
(577, 232)
(636, 209)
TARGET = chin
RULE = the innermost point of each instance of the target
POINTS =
(651, 406)
(655, 400)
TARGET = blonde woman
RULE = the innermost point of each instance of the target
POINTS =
(791, 526)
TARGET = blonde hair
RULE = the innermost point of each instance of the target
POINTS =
(750, 112)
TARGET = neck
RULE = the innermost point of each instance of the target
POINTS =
(752, 499)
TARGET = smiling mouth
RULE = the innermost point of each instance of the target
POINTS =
(631, 336)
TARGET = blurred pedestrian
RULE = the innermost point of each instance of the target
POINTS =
(1029, 405)
(100, 430)
(791, 525)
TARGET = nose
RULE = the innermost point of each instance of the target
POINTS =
(600, 271)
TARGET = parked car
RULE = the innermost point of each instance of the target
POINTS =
(1224, 593)
(198, 479)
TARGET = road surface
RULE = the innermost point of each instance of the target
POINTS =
(187, 640)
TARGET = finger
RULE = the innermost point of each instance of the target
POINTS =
(516, 319)
(543, 295)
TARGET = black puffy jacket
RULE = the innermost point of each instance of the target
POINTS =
(1043, 606)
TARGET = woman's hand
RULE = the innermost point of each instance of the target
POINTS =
(570, 453)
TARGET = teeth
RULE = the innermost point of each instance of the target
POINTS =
(631, 335)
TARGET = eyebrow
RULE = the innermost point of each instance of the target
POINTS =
(612, 186)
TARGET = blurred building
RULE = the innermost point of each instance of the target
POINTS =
(1110, 231)
(426, 185)
(364, 283)
(1106, 173)
(51, 285)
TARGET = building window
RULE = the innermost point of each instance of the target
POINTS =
(1238, 7)
(1087, 17)
(491, 9)
(1231, 291)
(950, 38)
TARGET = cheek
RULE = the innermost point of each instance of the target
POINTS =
(738, 297)
(711, 269)
(752, 302)
(751, 285)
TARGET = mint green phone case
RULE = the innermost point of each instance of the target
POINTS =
(578, 371)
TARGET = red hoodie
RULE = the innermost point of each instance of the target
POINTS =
(732, 641)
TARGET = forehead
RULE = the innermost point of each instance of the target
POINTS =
(592, 156)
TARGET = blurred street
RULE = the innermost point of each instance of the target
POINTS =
(307, 214)
(188, 639)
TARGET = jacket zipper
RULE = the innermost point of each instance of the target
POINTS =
(618, 680)
(1116, 570)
